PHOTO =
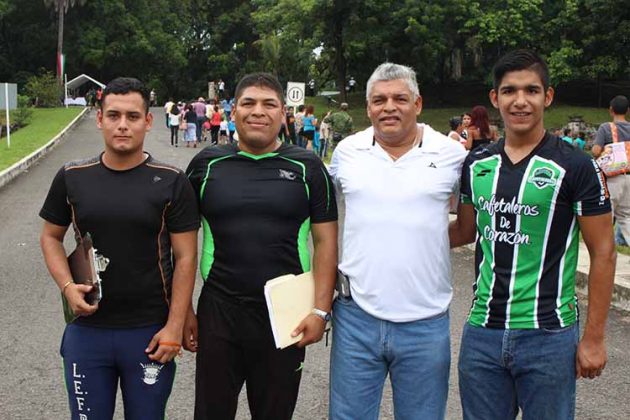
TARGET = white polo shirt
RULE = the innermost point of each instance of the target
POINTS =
(395, 237)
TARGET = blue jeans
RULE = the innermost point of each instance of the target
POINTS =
(199, 127)
(501, 370)
(365, 349)
(619, 239)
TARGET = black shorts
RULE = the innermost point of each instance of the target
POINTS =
(236, 346)
(308, 134)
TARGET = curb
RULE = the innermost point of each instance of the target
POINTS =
(621, 288)
(17, 168)
(620, 296)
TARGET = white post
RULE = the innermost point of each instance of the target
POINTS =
(65, 90)
(6, 107)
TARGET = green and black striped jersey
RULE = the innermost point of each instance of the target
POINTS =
(527, 231)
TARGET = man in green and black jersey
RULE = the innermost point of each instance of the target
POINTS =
(259, 201)
(526, 199)
(141, 215)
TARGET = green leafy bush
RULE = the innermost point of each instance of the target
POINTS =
(44, 90)
(22, 115)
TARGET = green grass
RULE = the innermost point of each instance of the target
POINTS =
(556, 116)
(45, 124)
(623, 249)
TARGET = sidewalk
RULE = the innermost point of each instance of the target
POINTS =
(621, 292)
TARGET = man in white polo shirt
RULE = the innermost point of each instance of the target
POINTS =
(396, 178)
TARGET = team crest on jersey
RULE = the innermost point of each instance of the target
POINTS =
(151, 372)
(542, 177)
(287, 174)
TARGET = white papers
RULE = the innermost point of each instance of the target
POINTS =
(290, 299)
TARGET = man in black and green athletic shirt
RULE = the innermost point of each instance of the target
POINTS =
(526, 199)
(141, 214)
(259, 201)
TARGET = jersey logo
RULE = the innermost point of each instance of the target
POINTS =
(542, 177)
(432, 165)
(291, 176)
(156, 179)
(484, 172)
(151, 372)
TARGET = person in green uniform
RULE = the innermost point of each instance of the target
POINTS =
(341, 123)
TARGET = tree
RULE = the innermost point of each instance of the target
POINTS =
(43, 89)
(61, 7)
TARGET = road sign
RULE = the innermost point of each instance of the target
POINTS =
(295, 93)
(8, 96)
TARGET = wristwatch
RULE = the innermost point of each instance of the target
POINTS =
(322, 314)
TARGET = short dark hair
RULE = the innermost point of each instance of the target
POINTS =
(619, 105)
(124, 85)
(520, 60)
(265, 80)
(455, 122)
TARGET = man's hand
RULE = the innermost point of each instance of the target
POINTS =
(165, 344)
(75, 295)
(313, 328)
(591, 358)
(191, 331)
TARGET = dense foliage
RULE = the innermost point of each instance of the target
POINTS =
(43, 90)
(178, 46)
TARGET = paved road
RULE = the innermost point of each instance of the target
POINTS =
(31, 384)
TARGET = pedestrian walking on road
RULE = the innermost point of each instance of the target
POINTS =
(259, 199)
(215, 125)
(618, 130)
(340, 123)
(167, 109)
(526, 199)
(174, 119)
(190, 134)
(141, 215)
(199, 107)
(309, 126)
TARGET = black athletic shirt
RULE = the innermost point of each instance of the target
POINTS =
(256, 214)
(129, 215)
